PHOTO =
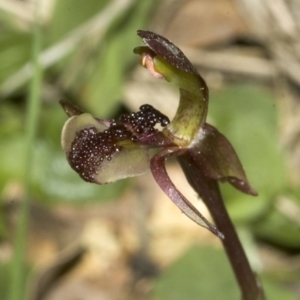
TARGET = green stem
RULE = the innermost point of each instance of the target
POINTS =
(209, 192)
(17, 281)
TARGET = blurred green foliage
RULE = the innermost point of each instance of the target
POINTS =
(5, 279)
(68, 14)
(91, 75)
(15, 51)
(204, 273)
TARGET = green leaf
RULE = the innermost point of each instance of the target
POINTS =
(276, 291)
(15, 51)
(204, 273)
(68, 14)
(278, 229)
(54, 180)
(11, 159)
(104, 88)
(11, 120)
(5, 269)
(243, 209)
(52, 119)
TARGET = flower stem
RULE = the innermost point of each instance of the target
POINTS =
(209, 191)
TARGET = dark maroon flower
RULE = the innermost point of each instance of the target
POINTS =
(103, 151)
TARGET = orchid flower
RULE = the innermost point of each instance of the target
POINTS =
(103, 151)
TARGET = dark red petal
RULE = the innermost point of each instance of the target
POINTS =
(158, 169)
(167, 50)
(216, 157)
(70, 109)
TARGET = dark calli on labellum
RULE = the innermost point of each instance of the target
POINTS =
(103, 151)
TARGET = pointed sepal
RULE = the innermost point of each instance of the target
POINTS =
(215, 156)
(158, 169)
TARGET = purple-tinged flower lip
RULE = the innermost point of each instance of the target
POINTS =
(100, 154)
(103, 151)
(167, 50)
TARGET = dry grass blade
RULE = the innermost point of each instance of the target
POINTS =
(94, 27)
(20, 11)
(233, 62)
(278, 29)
